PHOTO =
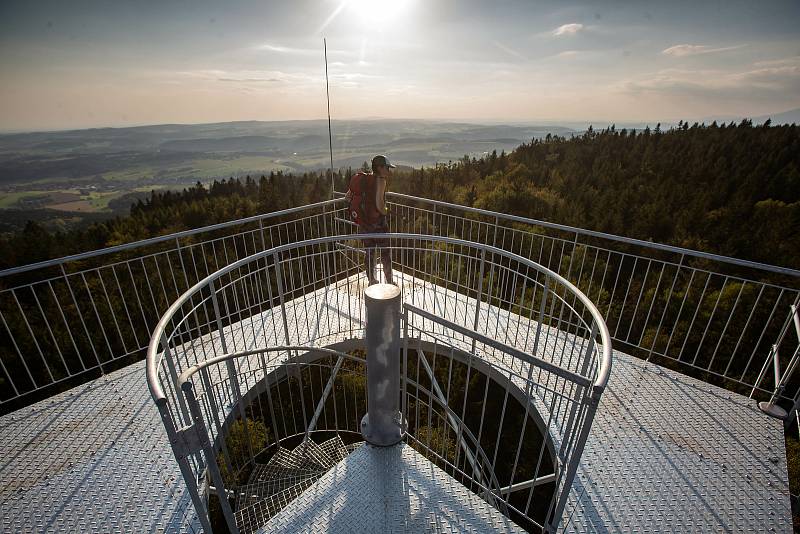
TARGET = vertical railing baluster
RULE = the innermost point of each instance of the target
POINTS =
(173, 373)
(478, 296)
(232, 374)
(183, 465)
(208, 451)
(281, 296)
(664, 311)
(19, 355)
(80, 316)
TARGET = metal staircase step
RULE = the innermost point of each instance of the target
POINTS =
(283, 478)
(291, 459)
(388, 489)
(334, 449)
(249, 494)
(251, 518)
(353, 446)
(266, 472)
(309, 450)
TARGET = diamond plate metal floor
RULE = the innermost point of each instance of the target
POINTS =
(388, 489)
(666, 452)
(92, 459)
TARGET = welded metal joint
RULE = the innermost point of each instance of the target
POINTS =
(187, 441)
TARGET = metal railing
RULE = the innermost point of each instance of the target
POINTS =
(240, 350)
(717, 318)
(710, 316)
(67, 320)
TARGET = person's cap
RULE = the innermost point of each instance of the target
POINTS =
(382, 160)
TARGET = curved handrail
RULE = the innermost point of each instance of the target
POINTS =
(157, 392)
(185, 384)
(163, 352)
(183, 379)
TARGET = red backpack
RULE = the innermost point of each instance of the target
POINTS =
(362, 199)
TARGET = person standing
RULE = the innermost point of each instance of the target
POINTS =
(367, 197)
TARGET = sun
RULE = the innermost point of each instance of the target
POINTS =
(377, 13)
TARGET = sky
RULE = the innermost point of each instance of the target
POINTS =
(78, 64)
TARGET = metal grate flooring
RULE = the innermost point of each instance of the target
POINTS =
(666, 452)
(274, 485)
(92, 459)
(388, 489)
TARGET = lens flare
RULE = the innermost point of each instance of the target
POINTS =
(377, 12)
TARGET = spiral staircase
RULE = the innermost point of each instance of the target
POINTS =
(287, 474)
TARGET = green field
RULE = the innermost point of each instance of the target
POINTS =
(10, 199)
(67, 199)
(83, 171)
(135, 179)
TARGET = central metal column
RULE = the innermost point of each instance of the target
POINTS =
(383, 425)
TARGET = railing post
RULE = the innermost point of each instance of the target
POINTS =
(771, 407)
(404, 404)
(173, 373)
(201, 433)
(478, 296)
(592, 403)
(383, 423)
(183, 464)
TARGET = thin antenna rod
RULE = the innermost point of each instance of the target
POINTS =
(328, 93)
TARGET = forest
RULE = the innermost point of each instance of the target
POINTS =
(730, 189)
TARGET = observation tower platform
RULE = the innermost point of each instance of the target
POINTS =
(250, 401)
(666, 453)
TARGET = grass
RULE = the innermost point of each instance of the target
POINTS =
(10, 199)
(200, 168)
(94, 201)
(99, 200)
(229, 167)
(132, 173)
(176, 176)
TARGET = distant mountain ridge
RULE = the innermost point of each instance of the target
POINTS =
(225, 136)
(98, 170)
(787, 117)
(791, 116)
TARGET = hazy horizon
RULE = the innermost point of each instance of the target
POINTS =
(573, 124)
(89, 64)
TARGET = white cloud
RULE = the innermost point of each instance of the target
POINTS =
(312, 52)
(568, 29)
(783, 62)
(252, 76)
(509, 51)
(568, 53)
(771, 77)
(279, 49)
(754, 83)
(683, 50)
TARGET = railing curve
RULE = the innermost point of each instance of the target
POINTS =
(719, 319)
(716, 318)
(152, 350)
(254, 300)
